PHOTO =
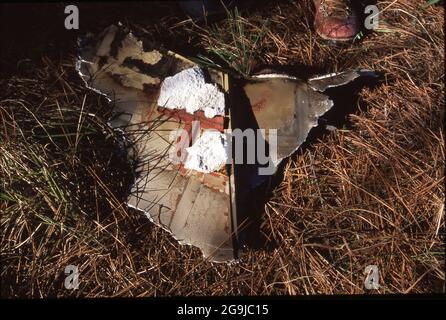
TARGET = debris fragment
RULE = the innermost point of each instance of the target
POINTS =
(188, 89)
(288, 105)
(322, 83)
(195, 207)
(155, 92)
(208, 153)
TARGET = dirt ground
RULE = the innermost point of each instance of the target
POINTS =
(369, 193)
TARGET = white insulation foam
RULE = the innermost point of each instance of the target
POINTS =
(188, 90)
(208, 153)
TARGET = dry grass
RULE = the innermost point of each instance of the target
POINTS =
(370, 194)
